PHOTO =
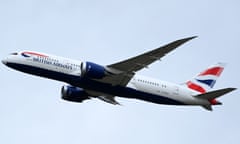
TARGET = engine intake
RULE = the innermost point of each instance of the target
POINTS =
(92, 70)
(74, 94)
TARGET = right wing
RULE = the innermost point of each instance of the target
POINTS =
(139, 62)
(126, 69)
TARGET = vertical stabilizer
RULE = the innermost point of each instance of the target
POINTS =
(204, 81)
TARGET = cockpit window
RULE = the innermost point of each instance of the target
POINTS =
(15, 53)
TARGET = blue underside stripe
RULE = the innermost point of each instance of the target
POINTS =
(94, 85)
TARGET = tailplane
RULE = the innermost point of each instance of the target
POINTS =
(211, 97)
(205, 81)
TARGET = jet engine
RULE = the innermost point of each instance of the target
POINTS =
(73, 94)
(92, 70)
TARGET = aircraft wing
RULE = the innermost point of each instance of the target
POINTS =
(109, 99)
(104, 97)
(127, 68)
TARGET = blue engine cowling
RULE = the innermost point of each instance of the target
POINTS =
(92, 70)
(74, 94)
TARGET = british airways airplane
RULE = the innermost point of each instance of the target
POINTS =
(90, 80)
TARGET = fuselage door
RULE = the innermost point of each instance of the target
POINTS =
(176, 90)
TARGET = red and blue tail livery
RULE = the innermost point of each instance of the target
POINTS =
(88, 80)
(206, 79)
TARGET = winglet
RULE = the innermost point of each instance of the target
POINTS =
(192, 37)
(179, 42)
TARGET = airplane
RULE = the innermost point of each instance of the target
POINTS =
(87, 80)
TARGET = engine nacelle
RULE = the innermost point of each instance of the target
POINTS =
(92, 70)
(74, 94)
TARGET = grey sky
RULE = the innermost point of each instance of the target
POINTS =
(109, 31)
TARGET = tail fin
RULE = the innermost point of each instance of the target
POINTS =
(204, 81)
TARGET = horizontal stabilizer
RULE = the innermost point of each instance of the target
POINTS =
(214, 94)
(207, 107)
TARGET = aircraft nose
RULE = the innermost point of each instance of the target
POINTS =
(4, 61)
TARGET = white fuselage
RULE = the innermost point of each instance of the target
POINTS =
(46, 62)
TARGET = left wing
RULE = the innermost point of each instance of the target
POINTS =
(109, 99)
(126, 69)
(104, 97)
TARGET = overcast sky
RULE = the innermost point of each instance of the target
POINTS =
(106, 31)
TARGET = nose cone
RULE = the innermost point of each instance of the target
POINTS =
(4, 61)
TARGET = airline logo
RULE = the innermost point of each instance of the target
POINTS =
(206, 79)
(44, 59)
(29, 54)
